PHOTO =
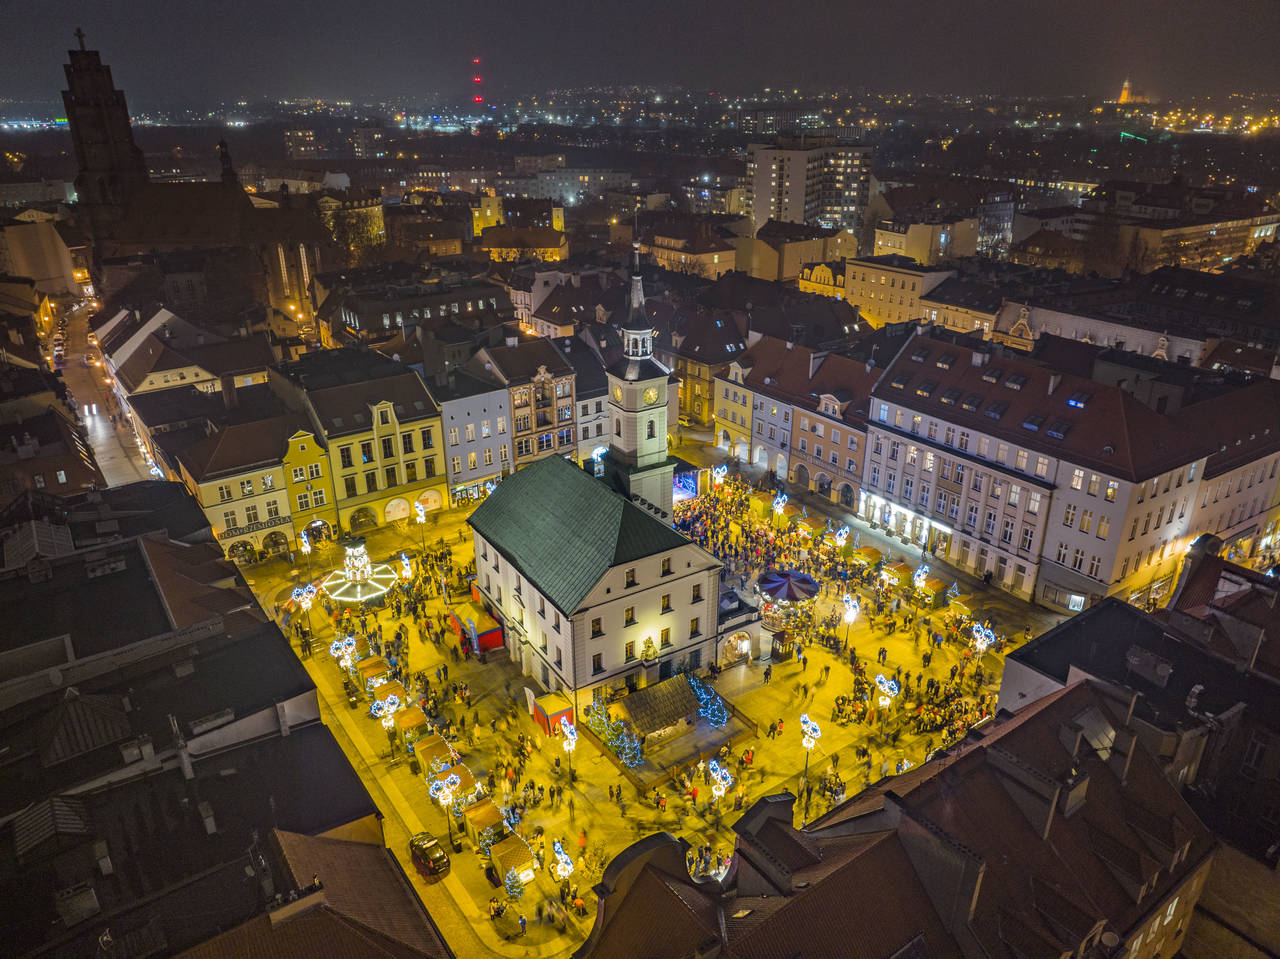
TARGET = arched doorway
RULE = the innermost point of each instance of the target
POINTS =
(725, 441)
(824, 484)
(275, 542)
(318, 529)
(802, 476)
(241, 551)
(846, 495)
(363, 518)
(431, 499)
(761, 457)
(398, 508)
(780, 465)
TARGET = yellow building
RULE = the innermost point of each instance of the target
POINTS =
(486, 211)
(824, 279)
(250, 478)
(525, 243)
(381, 431)
(354, 220)
(887, 289)
(734, 404)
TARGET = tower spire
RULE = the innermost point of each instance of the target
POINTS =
(80, 36)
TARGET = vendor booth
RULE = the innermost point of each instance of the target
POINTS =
(411, 726)
(463, 789)
(897, 574)
(470, 621)
(782, 648)
(370, 672)
(434, 754)
(513, 854)
(484, 825)
(932, 593)
(961, 605)
(549, 709)
(867, 557)
(387, 698)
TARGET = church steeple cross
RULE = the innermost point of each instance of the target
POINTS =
(80, 36)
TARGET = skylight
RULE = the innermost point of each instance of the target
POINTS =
(1079, 399)
(997, 410)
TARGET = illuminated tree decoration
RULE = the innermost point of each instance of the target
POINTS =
(718, 474)
(919, 576)
(811, 731)
(570, 735)
(515, 886)
(842, 537)
(485, 839)
(710, 706)
(779, 502)
(615, 735)
(563, 868)
(886, 685)
(721, 779)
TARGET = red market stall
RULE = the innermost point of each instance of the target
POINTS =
(470, 621)
(549, 709)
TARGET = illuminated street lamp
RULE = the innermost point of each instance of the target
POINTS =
(442, 790)
(303, 595)
(851, 608)
(305, 542)
(563, 868)
(811, 732)
(420, 517)
(721, 778)
(570, 742)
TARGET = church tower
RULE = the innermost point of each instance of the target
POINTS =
(111, 167)
(638, 387)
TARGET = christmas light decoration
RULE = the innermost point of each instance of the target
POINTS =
(779, 502)
(515, 887)
(385, 707)
(851, 607)
(442, 790)
(485, 838)
(303, 595)
(614, 734)
(718, 474)
(721, 779)
(563, 868)
(420, 510)
(953, 590)
(359, 580)
(406, 569)
(811, 732)
(570, 735)
(885, 702)
(919, 576)
(842, 537)
(983, 636)
(304, 541)
(710, 705)
(343, 646)
(886, 685)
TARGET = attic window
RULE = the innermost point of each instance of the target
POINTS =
(719, 324)
(1059, 429)
(743, 913)
(996, 410)
(926, 388)
(1016, 381)
(1079, 399)
(945, 361)
(971, 402)
(919, 356)
(358, 417)
(950, 397)
(1033, 422)
(992, 375)
(900, 381)
(337, 422)
(419, 405)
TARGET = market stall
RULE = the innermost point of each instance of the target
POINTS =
(388, 698)
(412, 725)
(787, 596)
(484, 825)
(932, 593)
(457, 784)
(549, 709)
(434, 754)
(513, 855)
(470, 621)
(868, 557)
(961, 605)
(897, 574)
(370, 672)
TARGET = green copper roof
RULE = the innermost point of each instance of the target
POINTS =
(563, 529)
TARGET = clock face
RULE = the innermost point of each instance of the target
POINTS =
(617, 393)
(651, 396)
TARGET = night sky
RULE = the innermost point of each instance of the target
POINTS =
(215, 50)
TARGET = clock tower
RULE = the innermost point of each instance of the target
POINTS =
(638, 459)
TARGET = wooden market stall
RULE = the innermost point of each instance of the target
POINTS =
(549, 709)
(434, 754)
(932, 592)
(867, 556)
(484, 819)
(370, 672)
(513, 853)
(412, 725)
(897, 574)
(471, 621)
(392, 693)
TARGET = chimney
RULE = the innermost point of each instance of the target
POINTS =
(1054, 380)
(512, 341)
(229, 398)
(206, 814)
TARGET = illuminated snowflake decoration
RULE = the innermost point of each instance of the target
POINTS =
(385, 707)
(885, 702)
(442, 790)
(420, 511)
(851, 607)
(920, 575)
(344, 646)
(721, 778)
(779, 502)
(983, 636)
(303, 595)
(564, 865)
(570, 735)
(719, 473)
(886, 685)
(842, 537)
(811, 732)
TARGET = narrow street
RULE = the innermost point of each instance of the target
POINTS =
(114, 445)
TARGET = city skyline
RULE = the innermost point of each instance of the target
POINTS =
(1033, 49)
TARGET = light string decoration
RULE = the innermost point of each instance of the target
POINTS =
(564, 865)
(721, 778)
(710, 706)
(811, 732)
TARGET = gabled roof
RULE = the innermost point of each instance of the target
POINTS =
(239, 447)
(564, 529)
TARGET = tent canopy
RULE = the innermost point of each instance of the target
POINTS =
(788, 585)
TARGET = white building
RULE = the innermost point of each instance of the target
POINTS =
(816, 181)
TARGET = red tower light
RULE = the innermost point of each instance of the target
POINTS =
(478, 99)
(476, 60)
(476, 78)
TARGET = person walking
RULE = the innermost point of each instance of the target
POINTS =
(523, 924)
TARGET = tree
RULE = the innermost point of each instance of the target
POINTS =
(514, 884)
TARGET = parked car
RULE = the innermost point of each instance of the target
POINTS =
(428, 855)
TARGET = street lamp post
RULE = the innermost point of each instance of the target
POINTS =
(570, 743)
(850, 614)
(420, 517)
(811, 732)
(443, 790)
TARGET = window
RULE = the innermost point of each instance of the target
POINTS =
(366, 452)
(304, 501)
(273, 509)
(349, 484)
(471, 432)
(1006, 534)
(313, 471)
(972, 518)
(371, 481)
(1077, 479)
(224, 493)
(666, 567)
(1033, 503)
(1095, 564)
(1086, 521)
(453, 436)
(629, 616)
(1062, 553)
(268, 482)
(229, 519)
(595, 627)
(299, 474)
(246, 487)
(455, 464)
(317, 498)
(694, 628)
(388, 447)
(631, 577)
(629, 651)
(964, 440)
(989, 524)
(471, 461)
(384, 417)
(1104, 527)
(1028, 537)
(666, 637)
(666, 602)
(697, 593)
(344, 456)
(411, 471)
(391, 476)
(1042, 467)
(984, 447)
(1020, 460)
(425, 436)
(1077, 559)
(597, 663)
(1015, 494)
(1069, 515)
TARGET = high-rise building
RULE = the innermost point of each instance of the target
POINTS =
(111, 167)
(814, 180)
(300, 144)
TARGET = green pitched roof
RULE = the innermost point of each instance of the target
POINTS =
(563, 529)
